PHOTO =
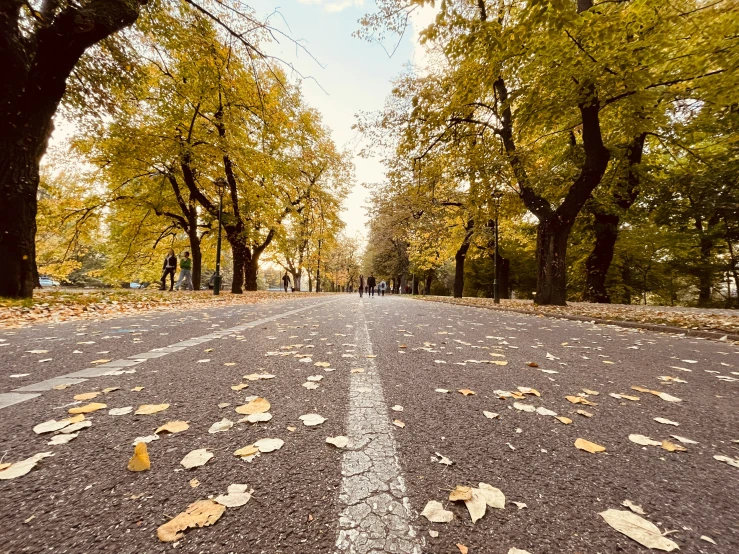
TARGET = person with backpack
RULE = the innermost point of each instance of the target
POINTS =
(371, 282)
(168, 268)
(382, 287)
(185, 272)
(361, 285)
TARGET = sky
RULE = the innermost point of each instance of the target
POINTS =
(349, 75)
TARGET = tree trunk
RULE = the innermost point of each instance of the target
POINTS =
(238, 253)
(429, 278)
(414, 286)
(197, 257)
(705, 272)
(19, 178)
(599, 260)
(251, 268)
(459, 259)
(551, 252)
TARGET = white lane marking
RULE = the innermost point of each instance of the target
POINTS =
(116, 367)
(376, 516)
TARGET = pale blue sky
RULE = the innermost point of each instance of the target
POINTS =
(356, 75)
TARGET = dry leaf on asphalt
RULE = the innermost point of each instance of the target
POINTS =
(524, 407)
(633, 507)
(198, 514)
(19, 469)
(76, 427)
(88, 408)
(357, 370)
(398, 423)
(528, 390)
(584, 413)
(684, 440)
(436, 513)
(563, 419)
(443, 391)
(257, 406)
(733, 462)
(148, 409)
(247, 451)
(140, 459)
(460, 493)
(397, 408)
(310, 385)
(644, 440)
(54, 425)
(339, 442)
(173, 427)
(137, 389)
(490, 415)
(462, 548)
(269, 445)
(518, 551)
(672, 447)
(666, 421)
(120, 411)
(623, 397)
(62, 439)
(322, 364)
(580, 400)
(591, 392)
(147, 439)
(493, 497)
(541, 410)
(196, 458)
(238, 495)
(256, 418)
(221, 426)
(86, 396)
(588, 446)
(309, 420)
(466, 392)
(194, 483)
(239, 386)
(639, 529)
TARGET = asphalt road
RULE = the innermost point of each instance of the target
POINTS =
(386, 357)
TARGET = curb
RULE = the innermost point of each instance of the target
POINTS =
(714, 335)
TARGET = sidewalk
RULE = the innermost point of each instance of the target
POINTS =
(721, 321)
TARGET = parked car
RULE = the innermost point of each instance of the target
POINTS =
(47, 282)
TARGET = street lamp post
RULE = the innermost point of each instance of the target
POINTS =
(220, 185)
(496, 292)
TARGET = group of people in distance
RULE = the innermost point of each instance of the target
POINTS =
(369, 286)
(170, 266)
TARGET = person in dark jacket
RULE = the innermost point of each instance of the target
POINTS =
(168, 268)
(285, 281)
(371, 282)
(361, 285)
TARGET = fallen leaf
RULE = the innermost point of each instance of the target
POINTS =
(490, 415)
(196, 458)
(76, 427)
(443, 391)
(493, 497)
(591, 392)
(563, 419)
(62, 439)
(198, 514)
(462, 548)
(137, 389)
(238, 495)
(257, 406)
(357, 370)
(466, 392)
(518, 551)
(684, 440)
(86, 396)
(99, 361)
(19, 469)
(726, 459)
(247, 451)
(528, 390)
(460, 493)
(639, 529)
(54, 425)
(322, 364)
(398, 423)
(667, 397)
(584, 413)
(644, 440)
(256, 418)
(532, 364)
(240, 386)
(541, 410)
(140, 459)
(707, 539)
(221, 426)
(88, 408)
(435, 513)
(524, 407)
(147, 439)
(310, 420)
(173, 427)
(110, 389)
(397, 408)
(633, 507)
(588, 446)
(148, 409)
(269, 445)
(580, 400)
(433, 533)
(665, 421)
(310, 386)
(194, 483)
(339, 442)
(120, 411)
(520, 505)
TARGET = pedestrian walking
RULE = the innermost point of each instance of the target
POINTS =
(371, 282)
(185, 272)
(382, 287)
(168, 268)
(285, 281)
(361, 285)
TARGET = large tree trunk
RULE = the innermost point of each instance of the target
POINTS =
(414, 286)
(35, 72)
(429, 279)
(459, 259)
(551, 252)
(19, 178)
(600, 258)
(197, 258)
(251, 269)
(238, 253)
(705, 272)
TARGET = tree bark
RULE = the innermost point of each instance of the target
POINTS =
(238, 253)
(35, 72)
(251, 268)
(551, 251)
(414, 286)
(606, 226)
(459, 259)
(197, 259)
(705, 272)
(429, 279)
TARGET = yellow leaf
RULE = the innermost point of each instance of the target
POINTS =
(88, 408)
(239, 386)
(565, 420)
(137, 389)
(198, 514)
(173, 427)
(99, 361)
(580, 400)
(462, 548)
(194, 483)
(86, 396)
(642, 389)
(588, 446)
(140, 459)
(460, 493)
(147, 409)
(246, 451)
(592, 392)
(672, 447)
(466, 392)
(256, 406)
(398, 423)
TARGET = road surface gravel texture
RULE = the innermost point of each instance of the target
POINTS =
(381, 362)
